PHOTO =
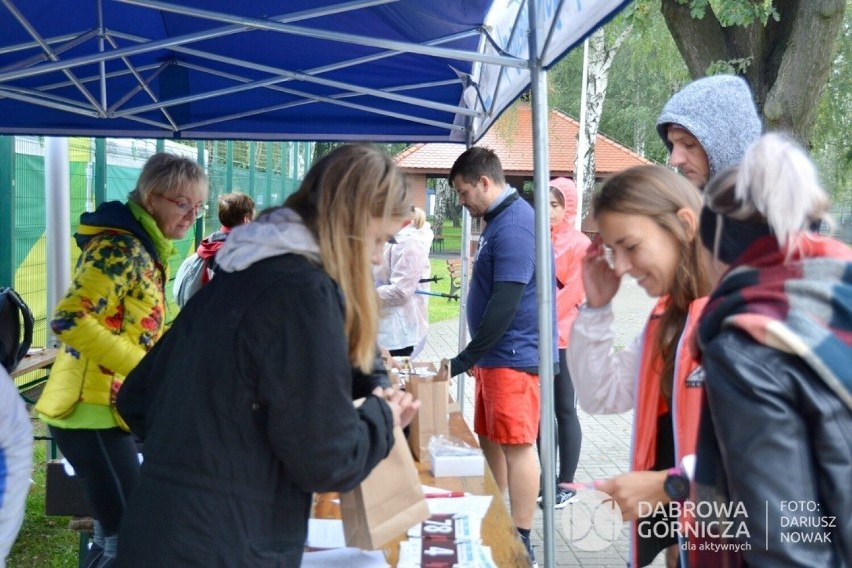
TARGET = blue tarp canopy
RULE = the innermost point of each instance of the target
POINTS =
(379, 70)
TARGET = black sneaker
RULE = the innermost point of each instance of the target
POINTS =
(530, 550)
(564, 497)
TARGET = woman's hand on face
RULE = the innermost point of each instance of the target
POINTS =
(630, 489)
(402, 405)
(599, 279)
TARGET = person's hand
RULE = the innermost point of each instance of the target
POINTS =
(387, 358)
(403, 406)
(599, 279)
(630, 489)
(443, 371)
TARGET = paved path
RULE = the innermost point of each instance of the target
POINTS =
(606, 438)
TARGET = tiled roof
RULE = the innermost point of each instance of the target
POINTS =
(511, 138)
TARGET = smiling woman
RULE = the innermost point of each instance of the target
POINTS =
(648, 218)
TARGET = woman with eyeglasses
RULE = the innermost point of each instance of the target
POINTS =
(112, 314)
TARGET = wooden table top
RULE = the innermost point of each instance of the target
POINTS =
(497, 531)
(37, 358)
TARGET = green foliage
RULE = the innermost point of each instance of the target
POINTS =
(697, 8)
(829, 142)
(646, 71)
(744, 12)
(733, 12)
(737, 66)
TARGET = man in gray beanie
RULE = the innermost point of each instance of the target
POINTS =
(708, 125)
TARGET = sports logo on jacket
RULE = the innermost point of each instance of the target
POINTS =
(695, 379)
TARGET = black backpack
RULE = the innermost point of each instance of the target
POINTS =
(14, 346)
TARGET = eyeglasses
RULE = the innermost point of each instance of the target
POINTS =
(198, 211)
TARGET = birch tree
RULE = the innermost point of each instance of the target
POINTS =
(597, 78)
(442, 192)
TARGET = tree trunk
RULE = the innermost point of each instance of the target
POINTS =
(600, 61)
(442, 189)
(786, 62)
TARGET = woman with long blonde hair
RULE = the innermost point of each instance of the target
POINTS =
(246, 408)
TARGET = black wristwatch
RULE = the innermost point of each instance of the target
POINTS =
(676, 484)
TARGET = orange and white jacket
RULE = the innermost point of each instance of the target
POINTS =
(610, 383)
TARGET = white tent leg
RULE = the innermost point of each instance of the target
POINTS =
(57, 209)
(544, 279)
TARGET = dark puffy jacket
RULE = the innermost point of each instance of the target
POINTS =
(245, 409)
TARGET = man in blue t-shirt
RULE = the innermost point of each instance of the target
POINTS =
(502, 314)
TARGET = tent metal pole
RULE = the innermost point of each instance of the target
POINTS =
(544, 276)
(465, 279)
(57, 195)
(279, 26)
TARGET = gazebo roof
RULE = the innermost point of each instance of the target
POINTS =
(511, 138)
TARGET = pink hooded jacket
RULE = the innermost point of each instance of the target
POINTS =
(569, 248)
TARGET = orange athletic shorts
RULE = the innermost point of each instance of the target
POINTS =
(507, 406)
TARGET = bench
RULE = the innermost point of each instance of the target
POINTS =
(38, 360)
(454, 268)
(438, 243)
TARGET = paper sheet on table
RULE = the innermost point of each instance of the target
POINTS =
(325, 533)
(427, 489)
(474, 506)
(349, 557)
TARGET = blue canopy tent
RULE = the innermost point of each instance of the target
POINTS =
(378, 70)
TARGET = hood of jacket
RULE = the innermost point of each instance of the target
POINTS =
(569, 195)
(720, 112)
(211, 245)
(281, 231)
(115, 215)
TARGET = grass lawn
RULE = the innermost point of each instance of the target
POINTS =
(452, 237)
(441, 309)
(43, 541)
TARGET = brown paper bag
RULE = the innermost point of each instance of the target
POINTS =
(432, 417)
(386, 504)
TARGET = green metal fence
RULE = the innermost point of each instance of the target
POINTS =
(106, 169)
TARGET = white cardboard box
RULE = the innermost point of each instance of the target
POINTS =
(457, 466)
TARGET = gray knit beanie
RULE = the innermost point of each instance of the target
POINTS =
(720, 112)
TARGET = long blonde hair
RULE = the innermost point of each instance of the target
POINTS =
(339, 197)
(658, 193)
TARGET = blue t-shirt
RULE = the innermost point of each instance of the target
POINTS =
(506, 253)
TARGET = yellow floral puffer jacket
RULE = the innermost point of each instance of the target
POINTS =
(112, 315)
